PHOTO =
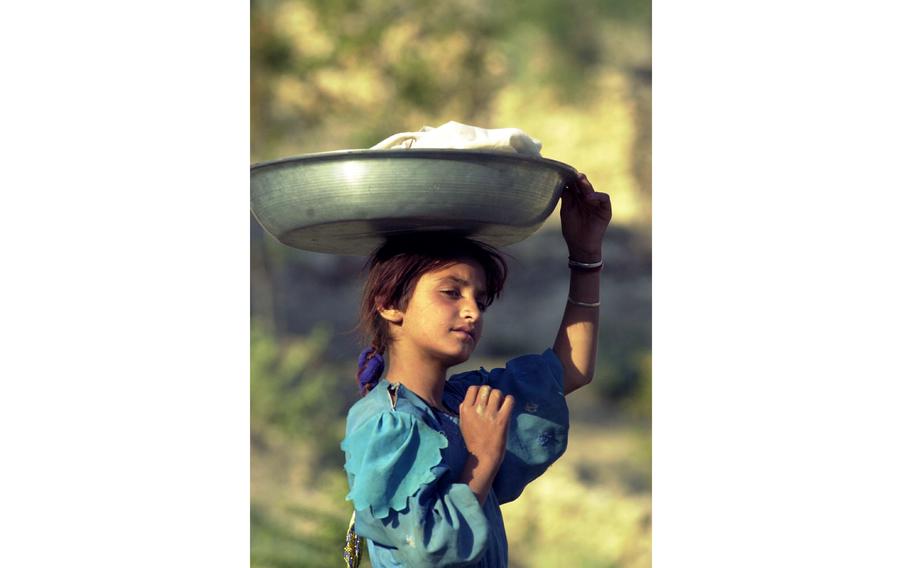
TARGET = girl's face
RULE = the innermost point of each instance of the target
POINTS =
(444, 317)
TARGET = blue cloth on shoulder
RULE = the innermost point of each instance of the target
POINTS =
(379, 448)
(404, 460)
(539, 425)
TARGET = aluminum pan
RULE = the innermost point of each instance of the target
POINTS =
(347, 202)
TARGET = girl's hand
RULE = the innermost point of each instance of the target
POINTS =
(585, 215)
(484, 422)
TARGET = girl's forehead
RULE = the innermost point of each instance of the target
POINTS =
(467, 273)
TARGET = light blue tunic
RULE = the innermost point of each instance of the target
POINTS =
(403, 463)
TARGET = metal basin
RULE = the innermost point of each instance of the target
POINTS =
(348, 202)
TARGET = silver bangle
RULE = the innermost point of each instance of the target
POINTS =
(584, 304)
(585, 265)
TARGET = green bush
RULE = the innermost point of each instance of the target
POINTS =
(297, 393)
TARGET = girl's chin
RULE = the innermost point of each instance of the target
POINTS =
(462, 355)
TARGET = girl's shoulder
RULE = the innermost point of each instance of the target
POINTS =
(375, 402)
(384, 398)
(390, 451)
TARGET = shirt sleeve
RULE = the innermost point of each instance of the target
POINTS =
(539, 426)
(405, 497)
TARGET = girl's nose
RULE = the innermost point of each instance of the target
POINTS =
(471, 307)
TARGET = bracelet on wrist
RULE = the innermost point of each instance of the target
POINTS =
(572, 300)
(576, 265)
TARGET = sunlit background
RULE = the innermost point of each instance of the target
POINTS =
(330, 75)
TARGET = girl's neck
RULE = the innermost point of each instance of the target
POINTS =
(424, 378)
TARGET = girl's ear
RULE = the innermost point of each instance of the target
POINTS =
(391, 314)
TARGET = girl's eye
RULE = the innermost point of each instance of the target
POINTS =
(482, 305)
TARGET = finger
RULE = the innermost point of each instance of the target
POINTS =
(495, 399)
(507, 404)
(584, 185)
(569, 204)
(483, 395)
(470, 396)
(570, 191)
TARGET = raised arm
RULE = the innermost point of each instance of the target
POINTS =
(585, 215)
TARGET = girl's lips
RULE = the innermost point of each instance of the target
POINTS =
(464, 334)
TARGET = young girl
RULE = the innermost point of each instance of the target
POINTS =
(429, 460)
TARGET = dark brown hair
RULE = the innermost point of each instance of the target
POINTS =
(394, 268)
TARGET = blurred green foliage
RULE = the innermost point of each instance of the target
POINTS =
(296, 393)
(297, 414)
(276, 543)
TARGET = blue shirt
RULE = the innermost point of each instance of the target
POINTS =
(404, 458)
